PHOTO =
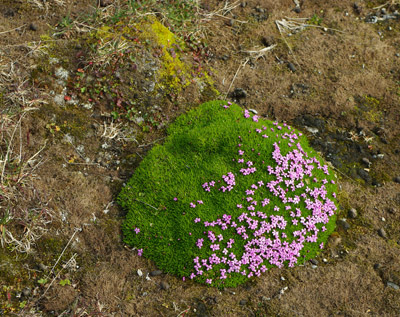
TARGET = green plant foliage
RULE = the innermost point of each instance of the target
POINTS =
(228, 196)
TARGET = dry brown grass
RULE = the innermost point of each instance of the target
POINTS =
(21, 222)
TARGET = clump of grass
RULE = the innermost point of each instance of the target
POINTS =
(228, 196)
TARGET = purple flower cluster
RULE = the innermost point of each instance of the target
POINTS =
(262, 225)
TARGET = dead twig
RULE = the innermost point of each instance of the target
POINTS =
(237, 72)
(8, 31)
(73, 235)
(146, 204)
(260, 53)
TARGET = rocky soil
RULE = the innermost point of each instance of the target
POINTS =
(87, 88)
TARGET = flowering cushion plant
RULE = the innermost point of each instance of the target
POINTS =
(228, 196)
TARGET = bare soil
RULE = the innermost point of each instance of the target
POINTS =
(338, 80)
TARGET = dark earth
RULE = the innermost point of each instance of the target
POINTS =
(86, 89)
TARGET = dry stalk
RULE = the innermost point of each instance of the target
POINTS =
(260, 53)
(222, 12)
(70, 240)
(237, 72)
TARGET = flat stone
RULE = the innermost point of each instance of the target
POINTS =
(155, 273)
(366, 161)
(382, 233)
(291, 67)
(243, 302)
(164, 285)
(344, 224)
(352, 213)
(314, 261)
(397, 179)
(393, 285)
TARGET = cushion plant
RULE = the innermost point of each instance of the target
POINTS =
(228, 196)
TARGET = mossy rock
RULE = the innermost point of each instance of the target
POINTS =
(228, 196)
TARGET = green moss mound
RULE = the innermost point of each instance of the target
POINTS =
(228, 196)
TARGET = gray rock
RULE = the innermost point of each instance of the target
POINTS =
(253, 111)
(393, 285)
(397, 179)
(314, 261)
(239, 93)
(164, 285)
(297, 9)
(243, 4)
(352, 213)
(344, 224)
(243, 302)
(291, 67)
(366, 161)
(382, 233)
(155, 273)
(377, 266)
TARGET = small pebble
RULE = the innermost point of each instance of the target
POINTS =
(32, 27)
(253, 111)
(239, 93)
(397, 179)
(243, 302)
(291, 67)
(155, 273)
(352, 213)
(243, 4)
(382, 233)
(314, 261)
(139, 272)
(397, 54)
(366, 161)
(164, 285)
(297, 9)
(377, 266)
(344, 224)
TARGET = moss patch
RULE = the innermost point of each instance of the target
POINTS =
(229, 196)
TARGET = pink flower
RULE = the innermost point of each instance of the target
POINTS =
(176, 198)
(137, 230)
(140, 252)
